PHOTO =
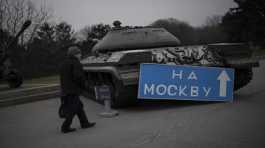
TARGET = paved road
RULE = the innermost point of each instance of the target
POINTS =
(159, 124)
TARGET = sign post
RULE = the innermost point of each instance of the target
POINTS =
(181, 82)
(103, 93)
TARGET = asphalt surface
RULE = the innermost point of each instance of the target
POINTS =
(167, 124)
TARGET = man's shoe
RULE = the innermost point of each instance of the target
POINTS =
(88, 125)
(68, 130)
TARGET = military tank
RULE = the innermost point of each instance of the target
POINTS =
(7, 71)
(116, 59)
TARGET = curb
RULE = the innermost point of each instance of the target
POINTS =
(29, 95)
(27, 91)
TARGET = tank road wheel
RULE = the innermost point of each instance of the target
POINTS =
(242, 78)
(120, 97)
(14, 79)
(126, 96)
(91, 82)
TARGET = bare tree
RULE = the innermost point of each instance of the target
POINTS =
(13, 13)
(83, 33)
(93, 32)
(214, 20)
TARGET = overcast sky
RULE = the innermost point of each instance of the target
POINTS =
(80, 13)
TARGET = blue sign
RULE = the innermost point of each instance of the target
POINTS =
(180, 82)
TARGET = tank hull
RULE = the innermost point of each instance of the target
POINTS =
(122, 71)
(117, 58)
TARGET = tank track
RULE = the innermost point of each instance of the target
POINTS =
(242, 78)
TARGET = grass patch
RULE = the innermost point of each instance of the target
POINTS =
(44, 80)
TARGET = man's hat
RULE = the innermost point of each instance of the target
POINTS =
(73, 50)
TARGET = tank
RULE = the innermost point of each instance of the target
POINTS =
(7, 71)
(116, 59)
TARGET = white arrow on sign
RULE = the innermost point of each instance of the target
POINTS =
(223, 78)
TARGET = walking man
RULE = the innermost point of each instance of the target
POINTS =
(72, 82)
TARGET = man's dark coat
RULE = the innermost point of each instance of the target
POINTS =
(72, 77)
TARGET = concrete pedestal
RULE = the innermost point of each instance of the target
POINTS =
(108, 112)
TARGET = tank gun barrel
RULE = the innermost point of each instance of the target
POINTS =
(12, 42)
(23, 28)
